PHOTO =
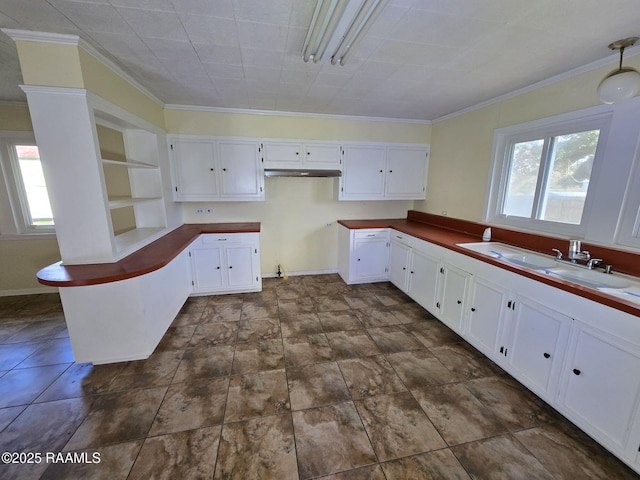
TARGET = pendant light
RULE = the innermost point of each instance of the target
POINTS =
(622, 83)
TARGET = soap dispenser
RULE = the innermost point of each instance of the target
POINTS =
(486, 236)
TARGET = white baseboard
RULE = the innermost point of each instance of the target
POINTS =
(28, 291)
(306, 272)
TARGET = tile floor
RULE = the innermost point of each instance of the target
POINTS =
(308, 379)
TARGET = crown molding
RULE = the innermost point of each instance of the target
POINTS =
(543, 83)
(277, 113)
(64, 39)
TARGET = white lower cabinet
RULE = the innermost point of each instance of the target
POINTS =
(451, 295)
(363, 255)
(487, 310)
(601, 384)
(581, 357)
(399, 263)
(226, 263)
(534, 345)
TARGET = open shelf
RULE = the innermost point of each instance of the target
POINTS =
(121, 202)
(127, 164)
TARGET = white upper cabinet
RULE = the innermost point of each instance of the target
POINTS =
(384, 172)
(195, 169)
(363, 173)
(240, 173)
(216, 169)
(406, 172)
(314, 155)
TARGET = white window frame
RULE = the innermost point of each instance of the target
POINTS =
(14, 208)
(503, 141)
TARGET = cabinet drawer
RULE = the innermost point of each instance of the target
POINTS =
(224, 238)
(371, 233)
(399, 237)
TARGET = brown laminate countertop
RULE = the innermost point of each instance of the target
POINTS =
(148, 259)
(449, 236)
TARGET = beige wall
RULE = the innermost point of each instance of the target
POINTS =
(21, 259)
(298, 215)
(461, 145)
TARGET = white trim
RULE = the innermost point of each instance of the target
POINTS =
(599, 116)
(295, 114)
(53, 90)
(543, 83)
(28, 291)
(63, 39)
(300, 273)
(44, 37)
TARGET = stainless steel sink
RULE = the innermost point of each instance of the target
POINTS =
(511, 254)
(589, 278)
(625, 286)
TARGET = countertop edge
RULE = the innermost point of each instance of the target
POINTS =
(148, 259)
(426, 232)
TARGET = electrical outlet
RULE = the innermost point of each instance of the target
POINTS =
(210, 210)
(199, 210)
(328, 224)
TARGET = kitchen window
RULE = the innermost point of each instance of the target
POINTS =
(543, 172)
(28, 206)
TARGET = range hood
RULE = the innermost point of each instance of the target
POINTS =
(300, 172)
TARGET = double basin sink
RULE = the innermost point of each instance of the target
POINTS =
(613, 283)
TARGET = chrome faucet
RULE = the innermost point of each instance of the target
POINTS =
(576, 254)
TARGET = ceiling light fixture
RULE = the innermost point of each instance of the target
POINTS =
(622, 83)
(337, 26)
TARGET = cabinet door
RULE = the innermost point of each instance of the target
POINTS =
(536, 351)
(322, 155)
(240, 174)
(371, 259)
(207, 268)
(239, 266)
(487, 309)
(282, 154)
(423, 279)
(452, 290)
(399, 264)
(195, 169)
(600, 384)
(363, 173)
(406, 175)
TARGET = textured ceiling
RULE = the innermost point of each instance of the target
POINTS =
(422, 59)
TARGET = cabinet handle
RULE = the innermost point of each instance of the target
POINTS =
(509, 304)
(473, 309)
(297, 153)
(211, 169)
(230, 266)
(459, 302)
(404, 268)
(438, 305)
(224, 169)
(358, 259)
(380, 171)
(308, 153)
(576, 371)
(546, 355)
(390, 171)
(371, 234)
(218, 268)
(411, 272)
(222, 239)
